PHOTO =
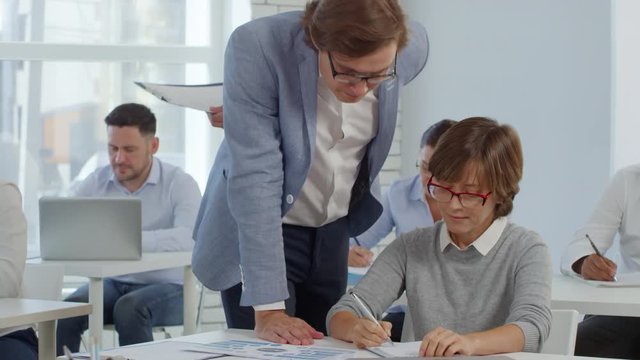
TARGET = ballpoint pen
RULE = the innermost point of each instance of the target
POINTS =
(357, 241)
(366, 311)
(597, 251)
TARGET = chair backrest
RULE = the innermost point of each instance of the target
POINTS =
(42, 281)
(562, 338)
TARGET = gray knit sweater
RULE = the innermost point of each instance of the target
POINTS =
(462, 290)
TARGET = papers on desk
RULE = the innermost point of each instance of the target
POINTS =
(255, 349)
(166, 350)
(624, 280)
(199, 97)
(358, 270)
(410, 350)
(403, 349)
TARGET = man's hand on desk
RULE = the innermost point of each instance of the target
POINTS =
(276, 326)
(360, 256)
(595, 267)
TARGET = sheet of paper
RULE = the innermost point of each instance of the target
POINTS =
(358, 270)
(199, 97)
(398, 349)
(166, 350)
(256, 349)
(624, 280)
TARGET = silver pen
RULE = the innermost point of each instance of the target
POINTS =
(597, 251)
(366, 311)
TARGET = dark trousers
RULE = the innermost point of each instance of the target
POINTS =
(397, 321)
(316, 260)
(21, 344)
(609, 337)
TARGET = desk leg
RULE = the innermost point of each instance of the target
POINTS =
(190, 301)
(96, 299)
(47, 340)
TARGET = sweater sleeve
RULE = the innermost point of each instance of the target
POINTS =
(531, 307)
(381, 286)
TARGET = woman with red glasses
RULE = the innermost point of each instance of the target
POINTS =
(476, 283)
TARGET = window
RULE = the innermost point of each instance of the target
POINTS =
(67, 63)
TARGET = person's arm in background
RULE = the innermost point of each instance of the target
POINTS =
(185, 200)
(359, 253)
(604, 222)
(13, 241)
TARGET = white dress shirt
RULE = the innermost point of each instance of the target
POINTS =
(343, 131)
(618, 211)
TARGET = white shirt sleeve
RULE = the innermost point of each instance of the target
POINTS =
(602, 225)
(13, 241)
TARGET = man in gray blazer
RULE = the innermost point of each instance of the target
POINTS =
(310, 106)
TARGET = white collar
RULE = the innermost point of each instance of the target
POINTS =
(484, 243)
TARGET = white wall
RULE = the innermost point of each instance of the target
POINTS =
(543, 66)
(627, 82)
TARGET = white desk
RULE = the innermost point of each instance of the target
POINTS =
(569, 293)
(18, 312)
(220, 335)
(96, 271)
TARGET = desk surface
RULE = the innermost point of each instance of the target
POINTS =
(569, 293)
(220, 335)
(107, 268)
(17, 312)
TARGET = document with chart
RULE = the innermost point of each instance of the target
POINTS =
(199, 97)
(257, 349)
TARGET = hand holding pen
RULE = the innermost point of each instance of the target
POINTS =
(367, 334)
(598, 267)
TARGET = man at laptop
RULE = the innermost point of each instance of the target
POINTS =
(170, 199)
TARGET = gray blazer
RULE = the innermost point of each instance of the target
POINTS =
(270, 83)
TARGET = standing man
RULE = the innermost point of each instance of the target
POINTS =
(170, 199)
(310, 106)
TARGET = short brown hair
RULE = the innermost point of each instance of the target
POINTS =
(494, 148)
(132, 114)
(354, 28)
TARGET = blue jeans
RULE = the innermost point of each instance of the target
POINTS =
(133, 308)
(21, 344)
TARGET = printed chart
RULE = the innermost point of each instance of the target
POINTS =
(266, 350)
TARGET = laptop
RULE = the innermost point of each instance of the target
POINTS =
(90, 228)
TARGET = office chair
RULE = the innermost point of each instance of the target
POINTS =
(564, 328)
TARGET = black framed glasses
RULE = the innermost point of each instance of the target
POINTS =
(444, 194)
(346, 78)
